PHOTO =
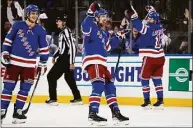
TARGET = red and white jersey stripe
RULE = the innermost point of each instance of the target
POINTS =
(94, 59)
(108, 46)
(44, 51)
(146, 89)
(21, 98)
(23, 62)
(159, 88)
(7, 42)
(111, 100)
(143, 29)
(6, 97)
(151, 53)
(94, 99)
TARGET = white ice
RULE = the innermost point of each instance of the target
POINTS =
(65, 115)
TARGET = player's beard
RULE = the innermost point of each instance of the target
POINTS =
(31, 21)
(102, 25)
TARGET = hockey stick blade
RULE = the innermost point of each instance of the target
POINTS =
(26, 110)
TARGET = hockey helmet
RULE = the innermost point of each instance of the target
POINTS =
(62, 17)
(153, 15)
(101, 12)
(32, 8)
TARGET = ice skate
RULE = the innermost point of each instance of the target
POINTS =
(3, 114)
(18, 116)
(146, 105)
(76, 102)
(118, 118)
(159, 105)
(96, 120)
(52, 102)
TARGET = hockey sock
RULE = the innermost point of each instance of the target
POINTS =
(110, 93)
(7, 95)
(146, 89)
(22, 95)
(95, 97)
(158, 87)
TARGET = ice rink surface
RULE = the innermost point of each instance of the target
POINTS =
(65, 115)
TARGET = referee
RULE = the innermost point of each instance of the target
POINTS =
(63, 61)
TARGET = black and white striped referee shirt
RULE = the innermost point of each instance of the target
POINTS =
(66, 45)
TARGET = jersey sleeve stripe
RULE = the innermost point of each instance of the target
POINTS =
(8, 40)
(6, 43)
(144, 29)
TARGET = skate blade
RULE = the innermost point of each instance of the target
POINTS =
(120, 123)
(161, 107)
(53, 104)
(77, 103)
(99, 123)
(149, 107)
(18, 121)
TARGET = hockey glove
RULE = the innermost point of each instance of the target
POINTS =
(130, 13)
(42, 68)
(120, 34)
(149, 8)
(5, 58)
(93, 8)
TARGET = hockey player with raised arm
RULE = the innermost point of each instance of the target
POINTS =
(150, 47)
(19, 55)
(95, 47)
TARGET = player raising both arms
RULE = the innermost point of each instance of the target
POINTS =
(152, 51)
(96, 45)
(19, 56)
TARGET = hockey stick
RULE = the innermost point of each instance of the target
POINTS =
(119, 55)
(26, 110)
(121, 49)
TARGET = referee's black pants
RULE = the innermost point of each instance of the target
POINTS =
(62, 66)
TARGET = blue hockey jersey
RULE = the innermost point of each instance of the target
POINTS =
(23, 43)
(150, 40)
(95, 43)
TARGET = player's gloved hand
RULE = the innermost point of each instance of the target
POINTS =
(93, 8)
(42, 68)
(5, 58)
(149, 8)
(130, 13)
(124, 23)
(120, 34)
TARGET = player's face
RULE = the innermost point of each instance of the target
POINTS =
(102, 19)
(60, 24)
(150, 20)
(33, 16)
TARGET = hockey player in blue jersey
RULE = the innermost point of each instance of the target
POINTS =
(96, 45)
(150, 47)
(19, 56)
